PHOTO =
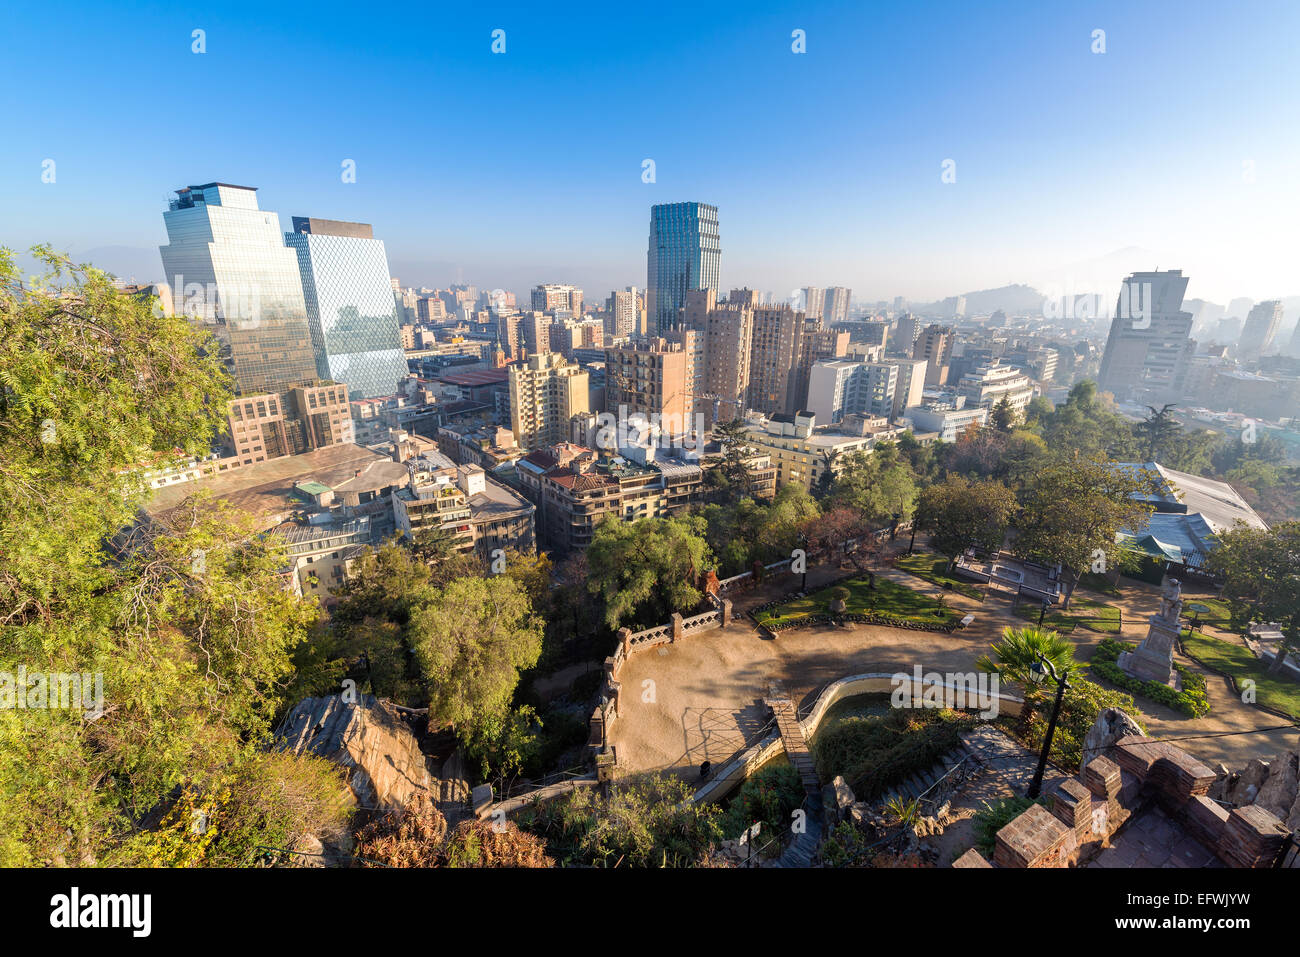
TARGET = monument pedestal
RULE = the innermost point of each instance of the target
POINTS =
(1153, 659)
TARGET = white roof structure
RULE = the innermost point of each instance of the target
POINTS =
(1191, 511)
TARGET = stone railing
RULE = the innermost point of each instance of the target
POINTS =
(603, 717)
(876, 682)
(1084, 811)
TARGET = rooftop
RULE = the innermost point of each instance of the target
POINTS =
(265, 490)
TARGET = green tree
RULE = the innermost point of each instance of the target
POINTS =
(1071, 512)
(183, 614)
(1261, 574)
(959, 514)
(471, 641)
(1016, 652)
(877, 483)
(648, 569)
(1002, 416)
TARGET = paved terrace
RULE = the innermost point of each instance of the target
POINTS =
(705, 697)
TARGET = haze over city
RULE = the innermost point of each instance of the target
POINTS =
(506, 169)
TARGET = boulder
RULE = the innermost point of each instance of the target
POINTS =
(838, 798)
(385, 765)
(1278, 791)
(1111, 725)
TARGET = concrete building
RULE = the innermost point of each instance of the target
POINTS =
(776, 341)
(484, 514)
(1149, 343)
(836, 305)
(814, 302)
(1259, 334)
(553, 297)
(651, 377)
(947, 419)
(727, 329)
(935, 346)
(910, 386)
(815, 345)
(838, 387)
(801, 453)
(987, 385)
(545, 393)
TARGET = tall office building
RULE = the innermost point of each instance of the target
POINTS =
(1150, 342)
(835, 307)
(228, 266)
(545, 393)
(685, 253)
(350, 307)
(1260, 330)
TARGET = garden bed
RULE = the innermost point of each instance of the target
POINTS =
(1191, 701)
(934, 569)
(1083, 613)
(888, 603)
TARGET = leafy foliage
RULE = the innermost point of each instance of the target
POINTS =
(648, 569)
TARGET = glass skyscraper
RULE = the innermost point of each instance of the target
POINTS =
(228, 266)
(350, 305)
(685, 253)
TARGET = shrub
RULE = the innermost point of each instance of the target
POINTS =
(650, 822)
(992, 818)
(874, 753)
(770, 796)
(1083, 701)
(1192, 701)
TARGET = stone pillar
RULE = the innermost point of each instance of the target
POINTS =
(625, 636)
(1153, 659)
(677, 626)
(726, 612)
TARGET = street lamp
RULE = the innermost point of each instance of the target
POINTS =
(1038, 673)
(1042, 611)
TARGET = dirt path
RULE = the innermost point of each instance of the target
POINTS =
(702, 698)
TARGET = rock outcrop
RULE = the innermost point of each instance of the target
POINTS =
(385, 765)
(1271, 785)
(1111, 725)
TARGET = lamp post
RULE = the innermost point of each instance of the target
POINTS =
(1042, 612)
(1038, 673)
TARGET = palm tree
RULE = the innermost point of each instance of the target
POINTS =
(1015, 654)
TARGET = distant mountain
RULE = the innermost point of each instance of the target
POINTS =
(1014, 300)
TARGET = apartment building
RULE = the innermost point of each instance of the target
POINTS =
(545, 393)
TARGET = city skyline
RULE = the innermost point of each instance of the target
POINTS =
(1057, 165)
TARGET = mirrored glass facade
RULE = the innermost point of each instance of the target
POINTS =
(685, 253)
(351, 310)
(229, 268)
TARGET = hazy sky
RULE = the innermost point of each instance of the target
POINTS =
(1180, 141)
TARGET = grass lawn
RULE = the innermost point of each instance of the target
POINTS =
(1098, 583)
(1275, 691)
(887, 599)
(1083, 613)
(934, 568)
(1213, 611)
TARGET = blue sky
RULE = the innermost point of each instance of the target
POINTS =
(1177, 145)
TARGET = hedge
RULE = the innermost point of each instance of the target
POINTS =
(1192, 701)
